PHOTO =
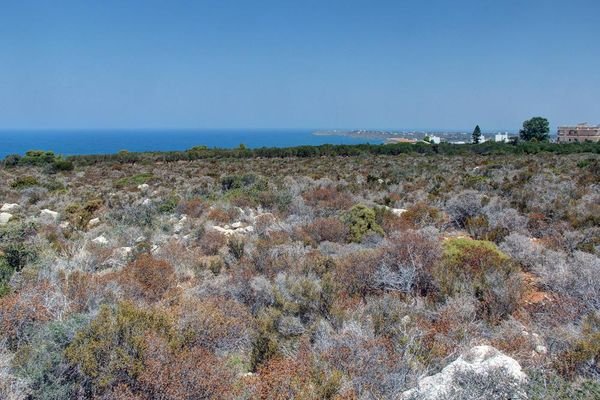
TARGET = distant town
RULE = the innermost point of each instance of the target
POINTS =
(581, 132)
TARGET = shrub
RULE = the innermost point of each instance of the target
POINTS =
(327, 198)
(192, 208)
(24, 182)
(42, 362)
(216, 324)
(81, 214)
(298, 378)
(61, 166)
(21, 311)
(148, 278)
(327, 229)
(168, 205)
(236, 247)
(185, 374)
(480, 269)
(112, 348)
(211, 242)
(361, 222)
(421, 214)
(584, 355)
(134, 180)
(466, 204)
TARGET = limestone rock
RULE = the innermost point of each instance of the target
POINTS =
(49, 216)
(93, 222)
(481, 363)
(233, 229)
(5, 217)
(101, 240)
(398, 211)
(178, 227)
(143, 187)
(10, 207)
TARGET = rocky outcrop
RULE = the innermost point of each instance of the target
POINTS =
(234, 229)
(5, 217)
(482, 372)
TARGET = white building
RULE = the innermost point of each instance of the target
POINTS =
(435, 139)
(501, 137)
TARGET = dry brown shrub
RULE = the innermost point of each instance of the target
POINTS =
(147, 278)
(215, 324)
(354, 272)
(22, 310)
(421, 214)
(193, 208)
(284, 378)
(211, 242)
(186, 374)
(222, 216)
(327, 229)
(328, 198)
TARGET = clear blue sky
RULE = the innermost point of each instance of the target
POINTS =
(298, 64)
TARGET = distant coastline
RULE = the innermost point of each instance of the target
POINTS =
(394, 136)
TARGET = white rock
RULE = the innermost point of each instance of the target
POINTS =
(119, 257)
(236, 225)
(146, 202)
(101, 240)
(224, 231)
(49, 216)
(178, 227)
(540, 349)
(93, 222)
(398, 211)
(249, 229)
(5, 217)
(143, 187)
(140, 239)
(64, 225)
(480, 360)
(122, 252)
(10, 207)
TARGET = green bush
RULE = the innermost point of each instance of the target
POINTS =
(478, 268)
(362, 221)
(24, 182)
(61, 166)
(168, 205)
(134, 180)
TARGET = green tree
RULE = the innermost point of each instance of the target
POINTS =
(477, 134)
(535, 129)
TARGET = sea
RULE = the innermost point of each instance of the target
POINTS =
(71, 142)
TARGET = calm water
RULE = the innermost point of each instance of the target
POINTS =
(111, 141)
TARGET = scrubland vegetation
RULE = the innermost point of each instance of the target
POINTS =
(338, 277)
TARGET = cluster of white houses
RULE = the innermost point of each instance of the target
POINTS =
(578, 133)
